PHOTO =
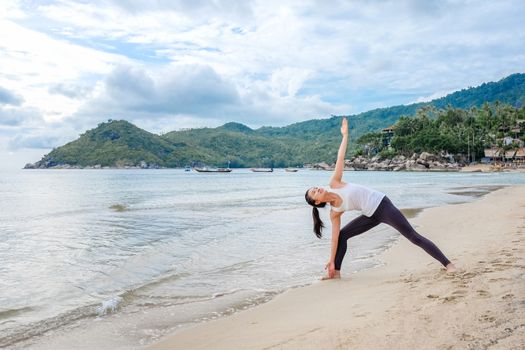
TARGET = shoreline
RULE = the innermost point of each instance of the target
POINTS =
(408, 292)
(474, 168)
(489, 168)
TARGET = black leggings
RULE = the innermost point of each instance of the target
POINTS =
(386, 213)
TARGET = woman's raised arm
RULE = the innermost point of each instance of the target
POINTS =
(340, 163)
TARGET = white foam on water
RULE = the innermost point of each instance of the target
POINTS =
(109, 306)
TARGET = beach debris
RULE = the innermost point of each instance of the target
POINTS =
(118, 207)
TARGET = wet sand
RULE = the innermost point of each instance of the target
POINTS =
(409, 302)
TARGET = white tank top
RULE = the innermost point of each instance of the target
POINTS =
(357, 197)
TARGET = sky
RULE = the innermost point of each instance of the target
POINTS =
(66, 66)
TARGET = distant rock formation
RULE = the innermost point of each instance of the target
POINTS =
(52, 165)
(417, 162)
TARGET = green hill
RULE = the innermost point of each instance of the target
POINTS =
(238, 144)
(120, 143)
(510, 90)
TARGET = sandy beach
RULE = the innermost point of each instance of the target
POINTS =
(490, 168)
(409, 302)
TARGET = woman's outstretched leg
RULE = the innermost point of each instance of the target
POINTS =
(390, 215)
(355, 227)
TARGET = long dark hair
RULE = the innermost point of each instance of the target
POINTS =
(318, 223)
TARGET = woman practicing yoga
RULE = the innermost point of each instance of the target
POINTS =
(375, 206)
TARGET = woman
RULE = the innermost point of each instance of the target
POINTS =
(375, 206)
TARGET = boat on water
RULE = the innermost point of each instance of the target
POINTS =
(187, 168)
(212, 170)
(291, 170)
(205, 169)
(262, 170)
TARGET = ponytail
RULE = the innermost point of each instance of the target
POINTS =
(318, 223)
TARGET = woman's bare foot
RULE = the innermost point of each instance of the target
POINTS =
(337, 274)
(450, 268)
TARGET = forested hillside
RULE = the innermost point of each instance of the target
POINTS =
(120, 143)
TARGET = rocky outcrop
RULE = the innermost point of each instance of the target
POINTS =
(417, 162)
(321, 166)
(52, 165)
(45, 163)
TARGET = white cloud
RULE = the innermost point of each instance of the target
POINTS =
(433, 96)
(202, 63)
(9, 98)
(40, 141)
(19, 116)
(288, 80)
(71, 90)
(33, 62)
(175, 90)
(197, 93)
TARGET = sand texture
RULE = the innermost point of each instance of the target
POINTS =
(409, 303)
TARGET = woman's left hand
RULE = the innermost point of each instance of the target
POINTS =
(344, 127)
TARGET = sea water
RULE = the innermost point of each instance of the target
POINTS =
(118, 258)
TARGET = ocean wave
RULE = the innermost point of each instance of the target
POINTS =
(238, 266)
(260, 296)
(20, 333)
(9, 313)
